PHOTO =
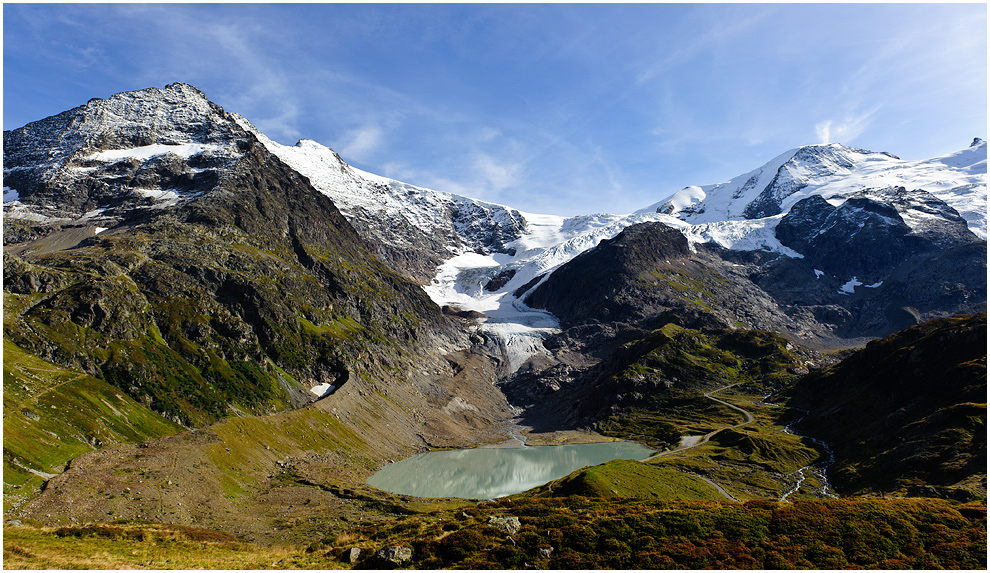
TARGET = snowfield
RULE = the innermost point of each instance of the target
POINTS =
(146, 152)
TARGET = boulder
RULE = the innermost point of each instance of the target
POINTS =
(352, 555)
(508, 524)
(393, 556)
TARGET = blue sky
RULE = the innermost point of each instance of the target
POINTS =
(549, 108)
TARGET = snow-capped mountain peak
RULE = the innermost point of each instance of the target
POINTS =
(150, 148)
(762, 192)
(835, 172)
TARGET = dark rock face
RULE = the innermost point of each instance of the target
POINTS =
(401, 245)
(937, 267)
(585, 288)
(867, 238)
(647, 272)
(487, 228)
(499, 280)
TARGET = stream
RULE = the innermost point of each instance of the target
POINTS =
(817, 469)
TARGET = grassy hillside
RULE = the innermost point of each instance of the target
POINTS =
(52, 414)
(282, 478)
(905, 411)
(629, 479)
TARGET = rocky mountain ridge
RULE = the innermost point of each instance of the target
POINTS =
(412, 228)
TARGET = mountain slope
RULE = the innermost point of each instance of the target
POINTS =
(53, 414)
(154, 244)
(219, 277)
(907, 410)
(412, 228)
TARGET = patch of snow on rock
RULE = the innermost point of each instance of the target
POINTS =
(850, 286)
(323, 389)
(145, 152)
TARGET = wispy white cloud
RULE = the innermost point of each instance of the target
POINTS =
(824, 131)
(497, 174)
(713, 32)
(846, 129)
(360, 144)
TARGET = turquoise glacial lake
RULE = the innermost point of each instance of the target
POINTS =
(487, 473)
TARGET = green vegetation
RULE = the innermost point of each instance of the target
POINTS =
(144, 546)
(575, 532)
(595, 533)
(908, 410)
(194, 320)
(53, 414)
(690, 360)
(694, 291)
(629, 479)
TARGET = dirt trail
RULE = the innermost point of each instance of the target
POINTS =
(720, 489)
(708, 436)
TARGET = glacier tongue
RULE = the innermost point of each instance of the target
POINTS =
(548, 242)
(520, 330)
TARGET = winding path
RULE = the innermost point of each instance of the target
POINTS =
(720, 489)
(709, 435)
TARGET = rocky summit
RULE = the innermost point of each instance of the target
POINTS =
(206, 328)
